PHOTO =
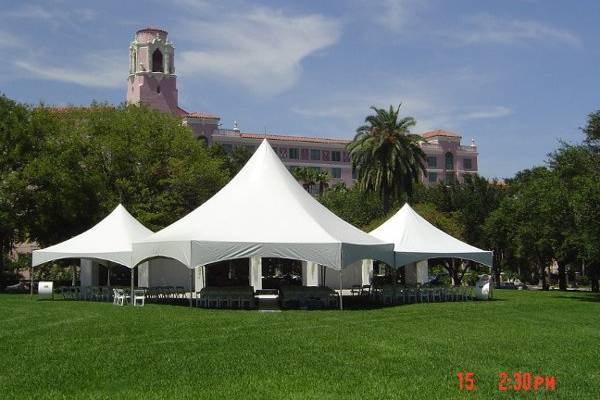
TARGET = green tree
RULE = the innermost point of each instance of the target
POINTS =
(592, 129)
(16, 144)
(307, 176)
(96, 157)
(234, 160)
(353, 205)
(388, 157)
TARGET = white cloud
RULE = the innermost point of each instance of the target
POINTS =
(424, 98)
(485, 28)
(259, 48)
(10, 40)
(395, 15)
(485, 112)
(97, 70)
(52, 15)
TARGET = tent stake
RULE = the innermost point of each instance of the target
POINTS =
(341, 293)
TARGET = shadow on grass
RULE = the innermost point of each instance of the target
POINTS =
(586, 297)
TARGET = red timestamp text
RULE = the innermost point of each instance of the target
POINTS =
(515, 382)
(525, 382)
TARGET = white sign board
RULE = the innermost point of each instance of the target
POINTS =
(45, 290)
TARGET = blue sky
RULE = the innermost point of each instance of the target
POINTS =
(515, 75)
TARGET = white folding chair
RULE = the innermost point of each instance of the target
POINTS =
(139, 296)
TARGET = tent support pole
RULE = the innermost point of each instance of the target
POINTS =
(132, 286)
(31, 281)
(108, 274)
(191, 285)
(341, 293)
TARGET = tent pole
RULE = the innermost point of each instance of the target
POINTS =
(31, 281)
(341, 293)
(132, 285)
(191, 284)
(108, 274)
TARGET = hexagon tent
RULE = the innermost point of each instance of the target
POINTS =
(262, 212)
(415, 239)
(110, 239)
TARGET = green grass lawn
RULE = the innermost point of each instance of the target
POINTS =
(65, 349)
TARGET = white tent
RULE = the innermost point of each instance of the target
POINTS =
(110, 239)
(262, 212)
(415, 239)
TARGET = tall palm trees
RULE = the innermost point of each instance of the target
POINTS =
(310, 176)
(388, 157)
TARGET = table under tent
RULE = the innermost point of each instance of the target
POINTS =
(415, 242)
(262, 214)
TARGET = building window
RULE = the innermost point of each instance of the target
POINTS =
(336, 173)
(432, 176)
(336, 156)
(304, 154)
(325, 155)
(432, 162)
(157, 61)
(315, 154)
(294, 154)
(450, 178)
(283, 152)
(449, 161)
(467, 164)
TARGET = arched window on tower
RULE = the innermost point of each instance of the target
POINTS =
(157, 61)
(449, 161)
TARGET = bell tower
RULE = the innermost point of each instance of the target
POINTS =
(152, 80)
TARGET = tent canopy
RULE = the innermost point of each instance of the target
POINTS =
(415, 239)
(262, 211)
(110, 239)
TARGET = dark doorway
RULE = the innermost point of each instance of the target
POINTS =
(228, 273)
(278, 272)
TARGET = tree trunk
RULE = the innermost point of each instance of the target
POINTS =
(2, 281)
(562, 276)
(542, 278)
(594, 275)
(386, 199)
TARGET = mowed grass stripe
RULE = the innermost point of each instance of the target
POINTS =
(65, 349)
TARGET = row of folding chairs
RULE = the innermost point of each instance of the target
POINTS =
(122, 296)
(234, 297)
(90, 293)
(401, 295)
(165, 293)
(309, 297)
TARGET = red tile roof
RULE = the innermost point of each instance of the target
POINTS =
(284, 138)
(201, 115)
(152, 29)
(439, 132)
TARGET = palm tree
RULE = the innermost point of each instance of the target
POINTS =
(322, 178)
(307, 176)
(388, 157)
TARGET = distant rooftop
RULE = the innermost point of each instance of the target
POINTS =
(282, 138)
(151, 29)
(438, 133)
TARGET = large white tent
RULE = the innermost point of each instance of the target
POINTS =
(415, 239)
(110, 239)
(262, 212)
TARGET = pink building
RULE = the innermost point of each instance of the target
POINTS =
(152, 81)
